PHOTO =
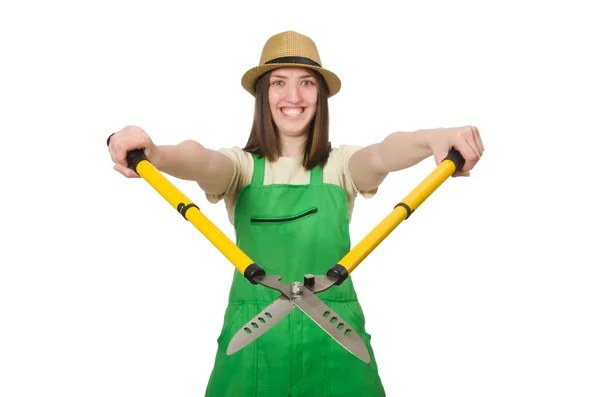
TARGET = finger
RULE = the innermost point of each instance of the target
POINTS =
(122, 149)
(128, 172)
(439, 156)
(120, 144)
(468, 154)
(478, 141)
(461, 173)
(111, 150)
(115, 146)
(470, 139)
(120, 153)
(474, 148)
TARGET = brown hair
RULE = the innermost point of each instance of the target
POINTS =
(264, 140)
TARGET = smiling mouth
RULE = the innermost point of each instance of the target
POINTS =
(292, 112)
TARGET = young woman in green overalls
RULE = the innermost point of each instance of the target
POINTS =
(290, 196)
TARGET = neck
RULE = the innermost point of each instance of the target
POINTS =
(292, 146)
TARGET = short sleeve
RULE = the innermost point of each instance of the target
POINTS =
(242, 175)
(342, 156)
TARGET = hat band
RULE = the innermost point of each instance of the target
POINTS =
(302, 60)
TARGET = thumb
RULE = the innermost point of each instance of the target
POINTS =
(126, 171)
(440, 153)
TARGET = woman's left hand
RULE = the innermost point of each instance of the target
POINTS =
(466, 140)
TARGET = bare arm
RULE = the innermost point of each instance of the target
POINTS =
(188, 160)
(369, 166)
(191, 161)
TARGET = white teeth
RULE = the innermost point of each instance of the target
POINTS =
(291, 112)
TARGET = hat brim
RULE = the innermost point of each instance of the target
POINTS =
(249, 78)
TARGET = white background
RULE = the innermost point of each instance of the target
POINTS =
(490, 289)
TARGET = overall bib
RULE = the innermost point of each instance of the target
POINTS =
(292, 230)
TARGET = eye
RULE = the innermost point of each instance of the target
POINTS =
(308, 82)
(277, 82)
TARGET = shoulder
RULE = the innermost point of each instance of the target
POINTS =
(336, 170)
(339, 158)
(243, 166)
(238, 156)
(343, 153)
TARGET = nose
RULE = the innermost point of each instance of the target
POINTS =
(293, 93)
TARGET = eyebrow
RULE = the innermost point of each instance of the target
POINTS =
(285, 77)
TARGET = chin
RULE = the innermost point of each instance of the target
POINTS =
(294, 131)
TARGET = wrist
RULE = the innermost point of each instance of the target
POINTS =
(158, 156)
(426, 138)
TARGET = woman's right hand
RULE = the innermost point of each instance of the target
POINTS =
(125, 140)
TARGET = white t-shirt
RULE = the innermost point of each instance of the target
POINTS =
(289, 170)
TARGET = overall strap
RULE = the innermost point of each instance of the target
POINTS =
(258, 174)
(316, 175)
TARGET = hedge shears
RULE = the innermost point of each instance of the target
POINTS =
(300, 294)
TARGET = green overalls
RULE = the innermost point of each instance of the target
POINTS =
(295, 357)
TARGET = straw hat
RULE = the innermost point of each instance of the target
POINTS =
(289, 49)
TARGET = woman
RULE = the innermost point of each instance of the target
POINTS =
(289, 174)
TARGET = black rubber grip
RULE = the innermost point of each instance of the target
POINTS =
(456, 158)
(133, 157)
(338, 271)
(254, 270)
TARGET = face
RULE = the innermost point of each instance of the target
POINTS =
(292, 99)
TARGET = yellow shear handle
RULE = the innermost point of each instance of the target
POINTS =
(453, 161)
(137, 161)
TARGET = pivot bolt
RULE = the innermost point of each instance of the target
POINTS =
(297, 287)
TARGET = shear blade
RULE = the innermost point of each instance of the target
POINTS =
(260, 324)
(332, 323)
